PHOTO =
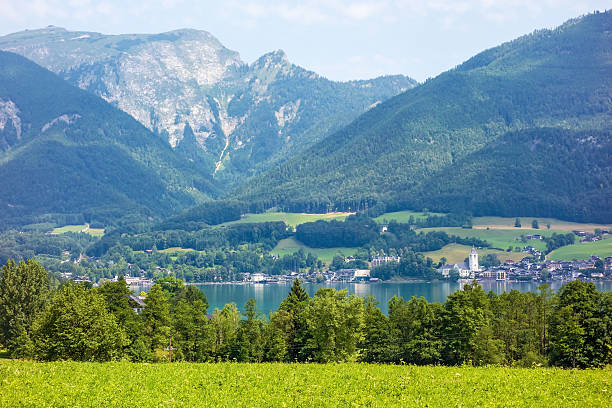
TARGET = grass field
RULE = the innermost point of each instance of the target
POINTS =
(507, 222)
(291, 245)
(403, 216)
(291, 219)
(172, 250)
(498, 238)
(70, 384)
(98, 232)
(457, 253)
(601, 248)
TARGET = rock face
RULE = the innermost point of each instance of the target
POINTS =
(244, 117)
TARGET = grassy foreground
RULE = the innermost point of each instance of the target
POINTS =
(70, 384)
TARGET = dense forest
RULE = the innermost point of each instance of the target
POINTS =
(571, 328)
(522, 128)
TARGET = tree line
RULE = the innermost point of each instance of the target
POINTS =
(571, 328)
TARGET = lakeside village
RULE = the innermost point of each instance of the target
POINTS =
(527, 269)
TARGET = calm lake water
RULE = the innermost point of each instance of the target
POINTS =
(270, 295)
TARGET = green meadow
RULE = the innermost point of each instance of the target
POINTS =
(403, 216)
(457, 253)
(498, 238)
(291, 245)
(584, 250)
(235, 385)
(98, 232)
(291, 219)
(555, 224)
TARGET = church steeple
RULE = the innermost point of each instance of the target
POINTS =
(473, 260)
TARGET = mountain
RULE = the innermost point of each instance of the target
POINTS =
(522, 128)
(67, 156)
(244, 117)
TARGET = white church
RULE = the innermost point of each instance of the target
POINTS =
(464, 271)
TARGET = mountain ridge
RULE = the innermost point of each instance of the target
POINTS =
(559, 78)
(245, 117)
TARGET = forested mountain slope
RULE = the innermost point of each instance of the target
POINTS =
(68, 156)
(244, 117)
(448, 144)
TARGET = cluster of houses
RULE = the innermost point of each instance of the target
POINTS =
(589, 237)
(529, 269)
(341, 275)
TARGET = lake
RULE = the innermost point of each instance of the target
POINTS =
(270, 295)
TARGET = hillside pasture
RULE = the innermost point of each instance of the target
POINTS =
(97, 232)
(457, 253)
(290, 245)
(291, 219)
(498, 238)
(403, 216)
(72, 384)
(555, 224)
(583, 250)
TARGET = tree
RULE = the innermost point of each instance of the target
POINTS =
(335, 322)
(517, 223)
(376, 341)
(117, 298)
(465, 313)
(535, 224)
(24, 293)
(581, 327)
(193, 335)
(225, 324)
(249, 339)
(76, 325)
(156, 316)
(415, 330)
(298, 334)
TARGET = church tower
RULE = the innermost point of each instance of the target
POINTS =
(473, 260)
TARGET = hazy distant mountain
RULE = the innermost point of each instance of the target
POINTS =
(523, 128)
(68, 156)
(244, 117)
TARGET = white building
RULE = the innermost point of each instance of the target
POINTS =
(473, 261)
(361, 275)
(380, 260)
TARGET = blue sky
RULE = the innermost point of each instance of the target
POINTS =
(339, 39)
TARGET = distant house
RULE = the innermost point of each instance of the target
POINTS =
(361, 275)
(137, 303)
(380, 260)
(534, 236)
(258, 278)
(461, 269)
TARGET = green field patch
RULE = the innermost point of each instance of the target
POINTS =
(173, 250)
(98, 232)
(457, 253)
(499, 238)
(555, 224)
(403, 216)
(291, 219)
(583, 250)
(72, 384)
(290, 245)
